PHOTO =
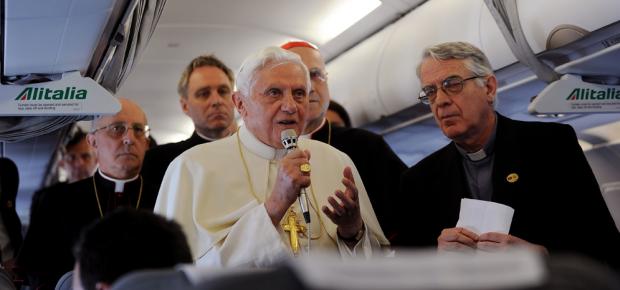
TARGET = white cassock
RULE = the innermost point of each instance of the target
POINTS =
(220, 208)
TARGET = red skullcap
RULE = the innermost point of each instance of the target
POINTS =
(293, 44)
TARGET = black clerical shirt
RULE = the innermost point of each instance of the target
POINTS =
(62, 212)
(157, 159)
(378, 166)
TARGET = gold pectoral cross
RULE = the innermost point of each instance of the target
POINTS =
(293, 228)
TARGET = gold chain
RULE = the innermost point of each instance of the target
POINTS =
(245, 166)
(99, 203)
(247, 175)
(329, 132)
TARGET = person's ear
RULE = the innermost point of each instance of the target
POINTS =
(102, 286)
(239, 102)
(184, 104)
(491, 89)
(92, 141)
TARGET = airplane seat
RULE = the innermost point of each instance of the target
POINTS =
(159, 279)
(203, 278)
(282, 277)
(611, 194)
(519, 269)
(575, 272)
(65, 282)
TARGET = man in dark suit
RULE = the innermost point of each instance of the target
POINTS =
(377, 164)
(536, 168)
(205, 94)
(11, 235)
(78, 160)
(120, 141)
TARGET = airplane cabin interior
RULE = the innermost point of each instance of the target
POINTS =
(543, 53)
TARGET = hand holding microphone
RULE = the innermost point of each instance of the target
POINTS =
(289, 140)
(290, 181)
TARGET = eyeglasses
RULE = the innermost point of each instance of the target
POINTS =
(318, 74)
(451, 85)
(118, 130)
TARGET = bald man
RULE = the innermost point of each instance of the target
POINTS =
(120, 141)
(378, 165)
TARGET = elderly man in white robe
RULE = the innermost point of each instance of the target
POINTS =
(236, 198)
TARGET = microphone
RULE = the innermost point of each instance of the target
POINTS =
(289, 140)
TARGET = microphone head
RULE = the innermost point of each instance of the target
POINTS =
(289, 139)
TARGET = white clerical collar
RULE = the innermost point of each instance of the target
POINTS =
(257, 147)
(119, 184)
(309, 135)
(484, 151)
(211, 139)
(477, 156)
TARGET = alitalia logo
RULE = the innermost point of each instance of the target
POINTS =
(69, 93)
(591, 94)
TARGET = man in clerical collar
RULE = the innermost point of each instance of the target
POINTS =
(205, 95)
(378, 165)
(236, 198)
(538, 169)
(120, 142)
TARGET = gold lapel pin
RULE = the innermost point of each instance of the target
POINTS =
(512, 177)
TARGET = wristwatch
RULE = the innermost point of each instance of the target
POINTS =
(354, 239)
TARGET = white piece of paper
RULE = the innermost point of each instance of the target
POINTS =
(481, 216)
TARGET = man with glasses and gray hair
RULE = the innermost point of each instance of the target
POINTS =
(537, 169)
(120, 141)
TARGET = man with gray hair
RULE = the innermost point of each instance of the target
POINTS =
(236, 197)
(536, 168)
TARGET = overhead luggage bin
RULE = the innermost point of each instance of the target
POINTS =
(57, 43)
(570, 94)
(70, 95)
(62, 61)
(372, 93)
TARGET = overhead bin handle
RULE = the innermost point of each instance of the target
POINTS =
(506, 16)
(117, 39)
